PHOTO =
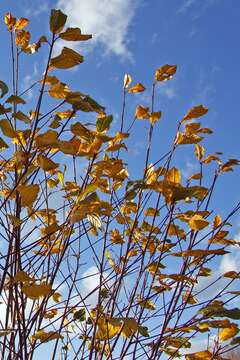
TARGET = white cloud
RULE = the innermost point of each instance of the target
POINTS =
(199, 7)
(108, 21)
(168, 90)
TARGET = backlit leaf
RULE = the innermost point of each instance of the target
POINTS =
(195, 112)
(165, 72)
(35, 291)
(197, 223)
(28, 194)
(229, 332)
(136, 88)
(21, 23)
(127, 81)
(44, 336)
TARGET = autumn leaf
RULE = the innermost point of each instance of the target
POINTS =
(45, 163)
(228, 332)
(21, 23)
(200, 355)
(127, 81)
(165, 72)
(44, 336)
(59, 91)
(3, 88)
(195, 112)
(57, 21)
(197, 223)
(136, 88)
(154, 117)
(74, 34)
(67, 59)
(142, 112)
(35, 291)
(103, 123)
(28, 194)
(7, 128)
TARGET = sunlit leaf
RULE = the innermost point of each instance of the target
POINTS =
(197, 223)
(59, 91)
(165, 72)
(142, 112)
(21, 23)
(28, 194)
(44, 336)
(229, 332)
(127, 81)
(35, 291)
(136, 88)
(195, 112)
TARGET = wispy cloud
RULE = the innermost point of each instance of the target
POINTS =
(197, 6)
(108, 21)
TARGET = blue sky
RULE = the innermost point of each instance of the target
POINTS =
(138, 36)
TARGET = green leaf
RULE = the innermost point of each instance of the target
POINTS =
(3, 88)
(103, 123)
(57, 21)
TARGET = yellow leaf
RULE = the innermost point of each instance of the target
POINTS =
(35, 291)
(57, 21)
(184, 139)
(142, 112)
(22, 38)
(200, 355)
(173, 175)
(14, 220)
(49, 138)
(74, 34)
(7, 128)
(21, 23)
(127, 81)
(195, 112)
(10, 21)
(155, 116)
(199, 151)
(130, 327)
(44, 336)
(107, 328)
(229, 332)
(197, 222)
(22, 117)
(165, 72)
(45, 163)
(116, 238)
(200, 252)
(56, 297)
(28, 194)
(59, 91)
(136, 88)
(217, 221)
(22, 276)
(67, 59)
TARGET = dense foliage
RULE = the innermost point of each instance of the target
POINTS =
(94, 262)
